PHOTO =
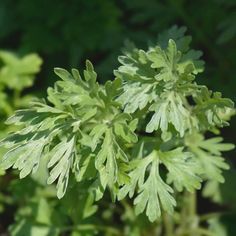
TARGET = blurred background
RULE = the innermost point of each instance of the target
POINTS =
(65, 33)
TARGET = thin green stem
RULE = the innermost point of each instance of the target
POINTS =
(203, 232)
(93, 227)
(192, 204)
(213, 215)
(16, 98)
(189, 220)
(168, 224)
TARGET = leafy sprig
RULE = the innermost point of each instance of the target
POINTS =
(140, 135)
(57, 131)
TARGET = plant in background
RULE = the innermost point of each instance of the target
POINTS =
(16, 74)
(141, 136)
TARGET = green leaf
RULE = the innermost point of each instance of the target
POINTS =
(208, 153)
(210, 106)
(18, 73)
(24, 158)
(61, 159)
(166, 61)
(182, 169)
(170, 109)
(108, 157)
(178, 35)
(153, 193)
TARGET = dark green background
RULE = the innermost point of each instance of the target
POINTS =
(65, 33)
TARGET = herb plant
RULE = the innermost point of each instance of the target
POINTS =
(16, 74)
(147, 135)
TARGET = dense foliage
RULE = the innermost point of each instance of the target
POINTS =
(140, 136)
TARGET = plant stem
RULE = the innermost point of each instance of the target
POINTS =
(93, 227)
(213, 215)
(204, 232)
(189, 222)
(192, 204)
(16, 97)
(168, 224)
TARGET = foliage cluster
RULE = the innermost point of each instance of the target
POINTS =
(16, 74)
(141, 136)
